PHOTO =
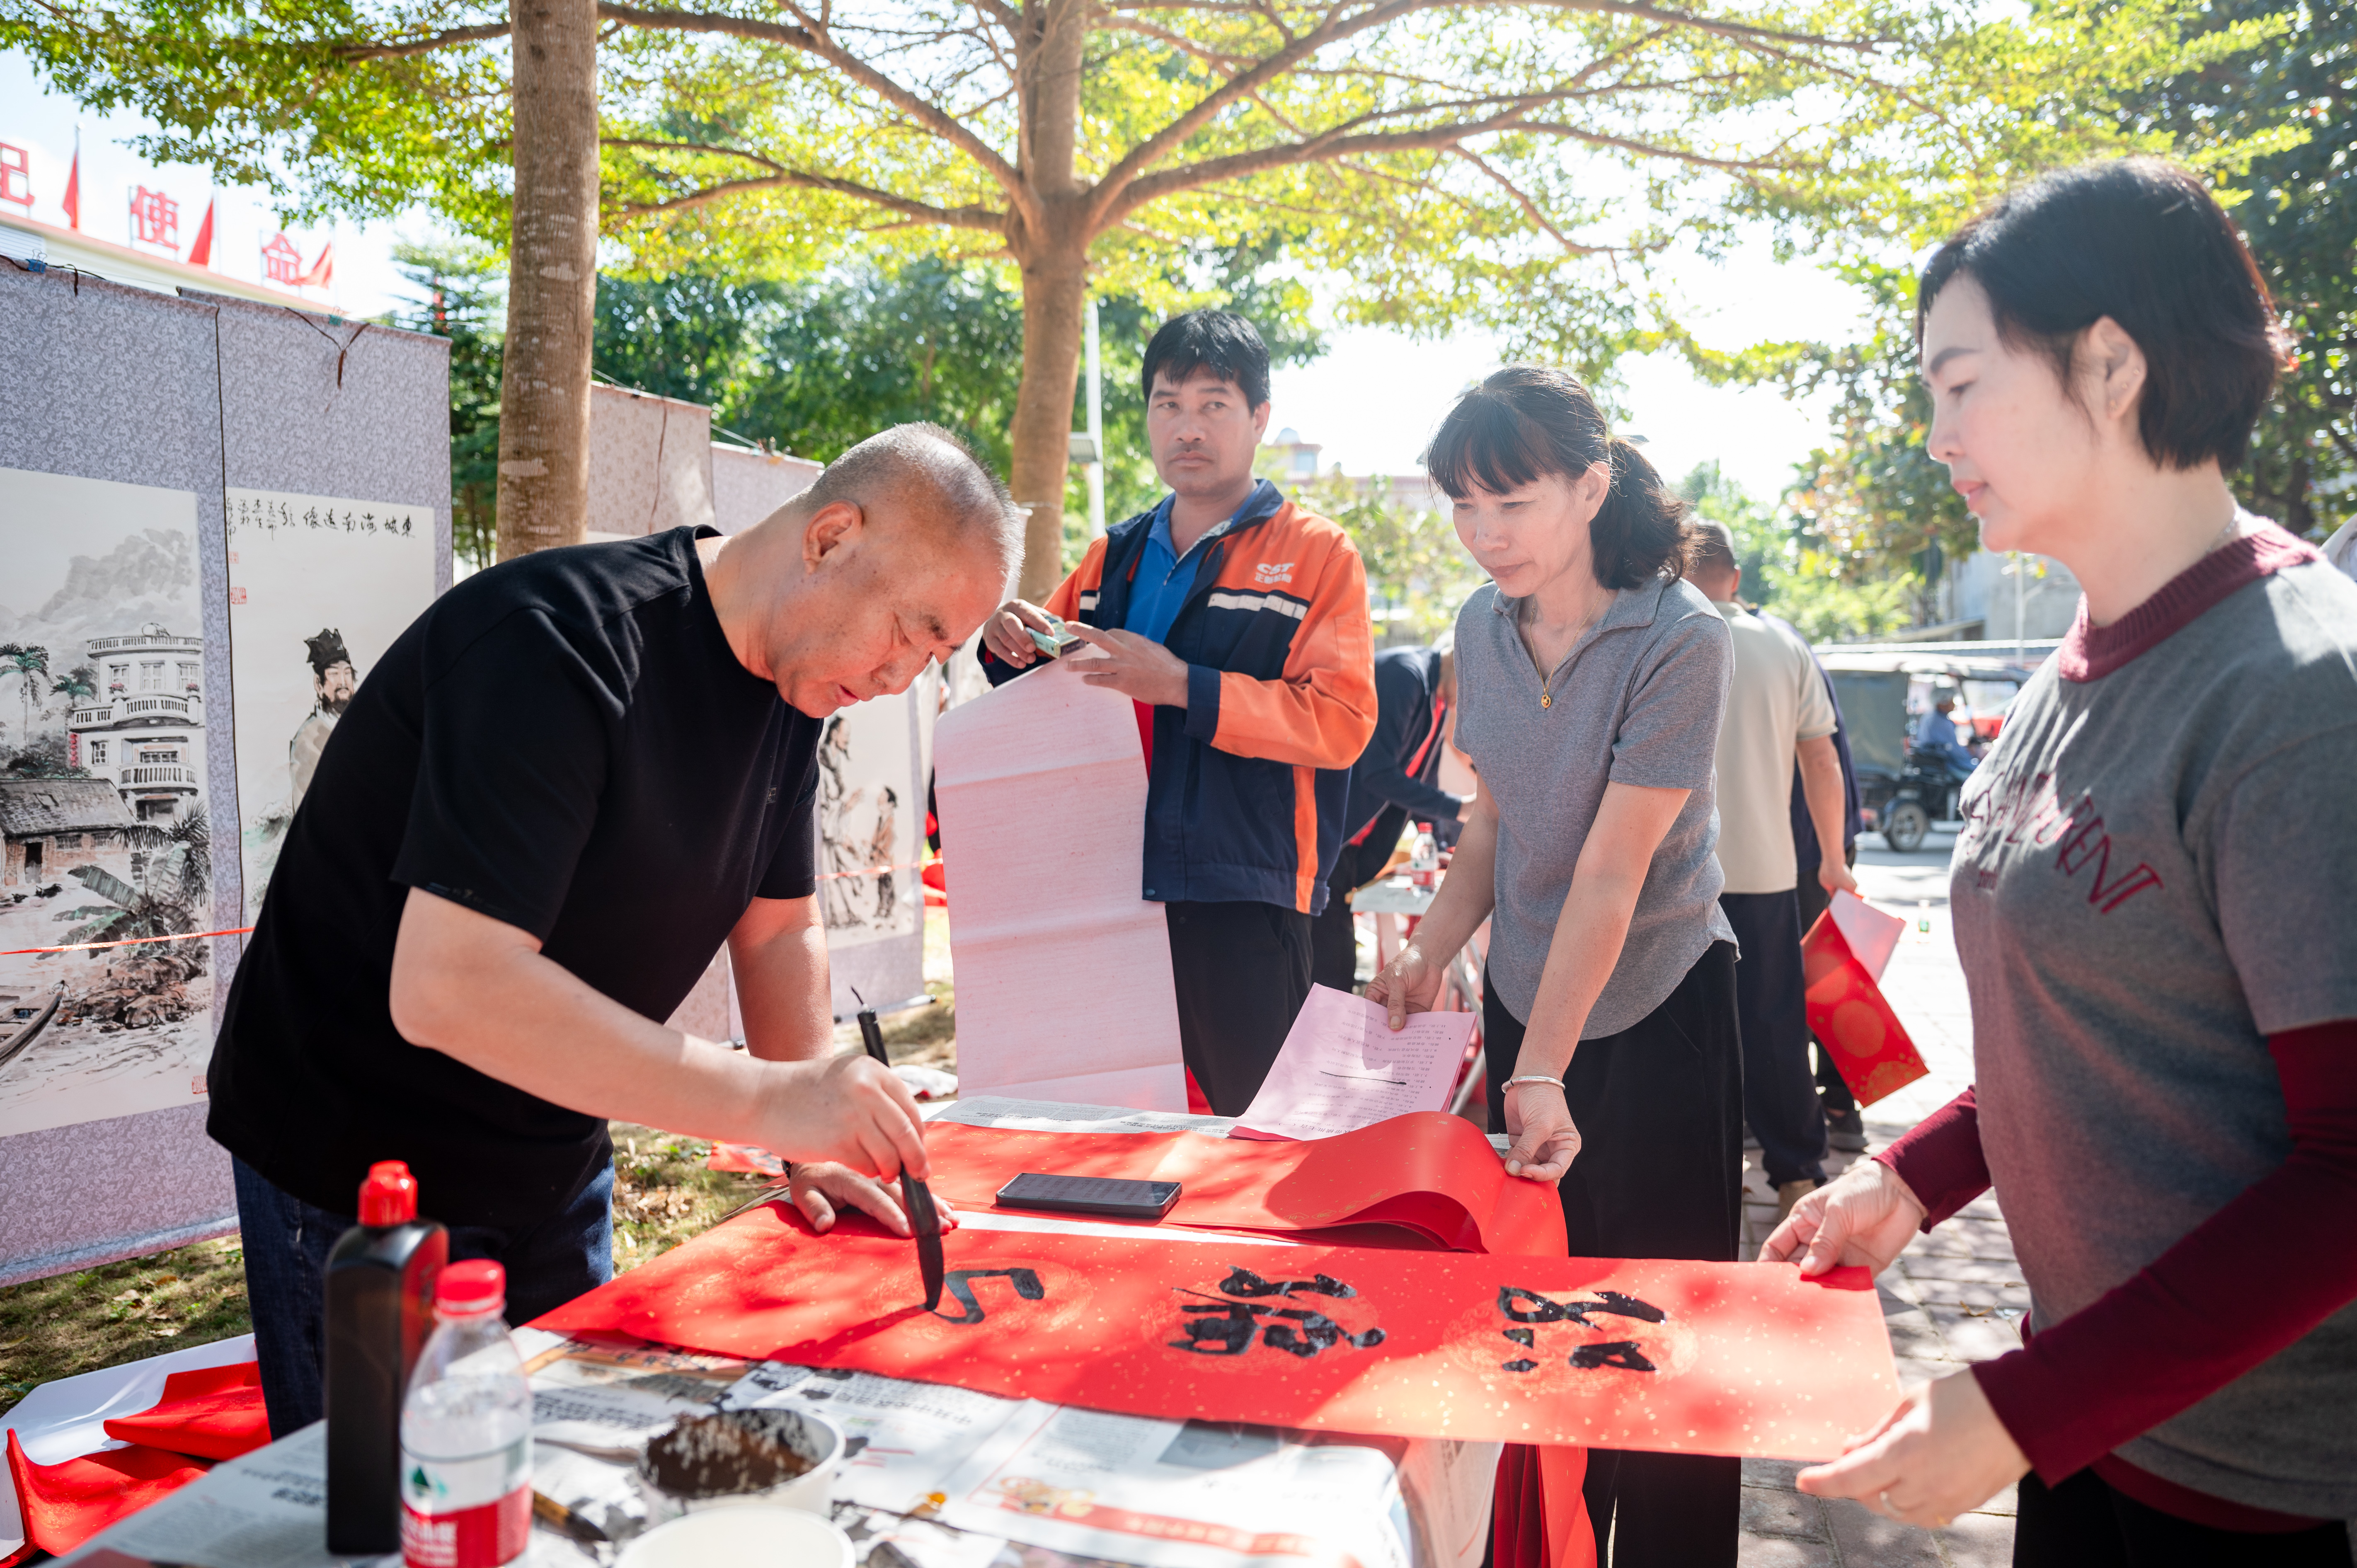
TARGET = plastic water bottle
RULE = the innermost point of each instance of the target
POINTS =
(465, 1432)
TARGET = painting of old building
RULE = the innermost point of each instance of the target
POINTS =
(104, 830)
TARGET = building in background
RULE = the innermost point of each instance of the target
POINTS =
(51, 826)
(145, 733)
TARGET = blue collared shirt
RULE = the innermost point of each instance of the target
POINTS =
(1164, 576)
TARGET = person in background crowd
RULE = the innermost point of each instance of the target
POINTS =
(1238, 623)
(1778, 716)
(1845, 1128)
(1395, 780)
(1591, 678)
(485, 906)
(2154, 936)
(1935, 737)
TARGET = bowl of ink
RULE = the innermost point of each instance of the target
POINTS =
(778, 1458)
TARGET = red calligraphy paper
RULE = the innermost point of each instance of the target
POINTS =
(212, 1412)
(1747, 1358)
(1852, 1019)
(1429, 1171)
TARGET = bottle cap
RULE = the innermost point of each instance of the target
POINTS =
(388, 1194)
(476, 1285)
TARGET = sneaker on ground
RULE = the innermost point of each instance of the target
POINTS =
(1846, 1131)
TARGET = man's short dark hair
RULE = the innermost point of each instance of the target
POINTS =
(2140, 239)
(1218, 341)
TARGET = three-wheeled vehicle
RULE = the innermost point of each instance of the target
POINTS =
(1881, 694)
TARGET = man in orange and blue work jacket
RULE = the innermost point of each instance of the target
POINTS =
(1238, 624)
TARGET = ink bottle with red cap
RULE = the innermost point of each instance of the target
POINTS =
(380, 1310)
(465, 1432)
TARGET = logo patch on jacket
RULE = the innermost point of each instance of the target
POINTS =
(1267, 573)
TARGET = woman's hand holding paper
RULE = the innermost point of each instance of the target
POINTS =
(1409, 984)
(1866, 1217)
(1942, 1453)
(1546, 1142)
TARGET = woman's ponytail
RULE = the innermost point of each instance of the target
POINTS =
(1523, 421)
(1640, 532)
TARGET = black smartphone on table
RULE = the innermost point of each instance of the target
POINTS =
(1116, 1198)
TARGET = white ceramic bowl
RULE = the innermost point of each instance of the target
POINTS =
(754, 1537)
(808, 1434)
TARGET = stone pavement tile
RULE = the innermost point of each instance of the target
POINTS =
(1920, 1267)
(1914, 1370)
(1865, 1538)
(1920, 1341)
(1783, 1552)
(1937, 1288)
(2007, 1502)
(1771, 1472)
(1978, 1541)
(1971, 1338)
(1773, 1511)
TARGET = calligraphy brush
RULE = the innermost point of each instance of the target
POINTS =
(916, 1197)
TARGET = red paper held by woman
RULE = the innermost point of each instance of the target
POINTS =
(1429, 1171)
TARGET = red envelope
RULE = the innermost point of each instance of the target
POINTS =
(1428, 1171)
(213, 1413)
(1853, 1020)
(64, 1505)
(1697, 1357)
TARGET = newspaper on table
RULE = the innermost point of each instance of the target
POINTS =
(1169, 1494)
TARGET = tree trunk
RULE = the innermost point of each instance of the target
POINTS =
(1052, 247)
(552, 279)
(1055, 294)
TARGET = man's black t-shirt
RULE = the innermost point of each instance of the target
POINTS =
(564, 742)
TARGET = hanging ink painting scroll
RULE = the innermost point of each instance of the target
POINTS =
(1744, 1358)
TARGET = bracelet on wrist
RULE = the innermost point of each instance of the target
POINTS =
(1551, 1081)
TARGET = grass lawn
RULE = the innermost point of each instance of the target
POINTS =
(142, 1307)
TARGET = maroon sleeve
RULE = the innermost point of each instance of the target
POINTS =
(1940, 1160)
(2170, 1337)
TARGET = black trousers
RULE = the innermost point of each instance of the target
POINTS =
(1241, 970)
(2085, 1523)
(1815, 900)
(1659, 1110)
(1779, 1093)
(1334, 940)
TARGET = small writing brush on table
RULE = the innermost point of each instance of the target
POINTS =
(916, 1197)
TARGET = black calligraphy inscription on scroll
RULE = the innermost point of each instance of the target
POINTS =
(1527, 1307)
(1229, 1323)
(959, 1283)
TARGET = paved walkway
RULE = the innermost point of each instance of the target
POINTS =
(1952, 1297)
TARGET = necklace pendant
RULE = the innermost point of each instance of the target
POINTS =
(1545, 700)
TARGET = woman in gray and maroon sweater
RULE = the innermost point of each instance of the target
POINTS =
(2157, 919)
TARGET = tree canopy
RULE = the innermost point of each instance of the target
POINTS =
(1439, 160)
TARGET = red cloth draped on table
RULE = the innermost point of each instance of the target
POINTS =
(210, 1413)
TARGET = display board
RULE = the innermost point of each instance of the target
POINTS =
(134, 419)
(649, 463)
(748, 485)
(115, 385)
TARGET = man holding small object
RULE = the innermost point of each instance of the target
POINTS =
(1238, 624)
(553, 799)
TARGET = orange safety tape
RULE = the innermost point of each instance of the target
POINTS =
(130, 941)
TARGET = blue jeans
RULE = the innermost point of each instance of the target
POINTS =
(287, 1242)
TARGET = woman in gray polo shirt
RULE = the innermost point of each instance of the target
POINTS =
(1590, 681)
